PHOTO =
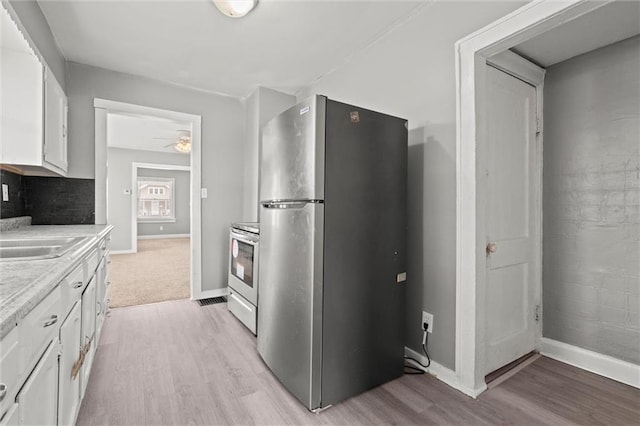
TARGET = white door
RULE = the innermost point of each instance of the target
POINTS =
(512, 267)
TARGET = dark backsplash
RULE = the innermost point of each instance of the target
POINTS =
(50, 200)
(15, 206)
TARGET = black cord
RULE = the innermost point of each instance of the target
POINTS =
(426, 352)
(416, 370)
(412, 370)
(416, 361)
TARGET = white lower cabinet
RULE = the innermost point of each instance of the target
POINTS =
(102, 295)
(38, 399)
(45, 361)
(88, 332)
(69, 380)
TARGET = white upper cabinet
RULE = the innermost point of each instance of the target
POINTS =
(55, 123)
(22, 127)
(32, 108)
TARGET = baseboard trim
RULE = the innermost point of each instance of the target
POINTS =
(211, 293)
(121, 251)
(444, 374)
(162, 236)
(604, 365)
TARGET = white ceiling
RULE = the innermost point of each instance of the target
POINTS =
(613, 22)
(290, 45)
(283, 45)
(131, 131)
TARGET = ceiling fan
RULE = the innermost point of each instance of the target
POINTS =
(182, 142)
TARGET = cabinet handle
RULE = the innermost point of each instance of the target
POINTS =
(3, 391)
(53, 319)
(77, 284)
(100, 308)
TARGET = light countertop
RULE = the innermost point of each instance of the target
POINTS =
(24, 283)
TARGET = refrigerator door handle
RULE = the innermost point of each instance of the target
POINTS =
(289, 204)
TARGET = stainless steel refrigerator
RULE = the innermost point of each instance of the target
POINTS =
(333, 249)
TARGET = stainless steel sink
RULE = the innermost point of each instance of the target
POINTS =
(37, 248)
(39, 242)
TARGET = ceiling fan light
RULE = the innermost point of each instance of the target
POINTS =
(183, 146)
(235, 8)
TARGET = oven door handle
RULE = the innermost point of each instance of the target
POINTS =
(247, 238)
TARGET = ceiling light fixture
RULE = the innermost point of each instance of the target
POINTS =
(235, 8)
(183, 146)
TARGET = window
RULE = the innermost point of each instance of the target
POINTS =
(156, 199)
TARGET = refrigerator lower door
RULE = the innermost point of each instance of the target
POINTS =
(290, 296)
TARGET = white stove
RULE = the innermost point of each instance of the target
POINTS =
(244, 244)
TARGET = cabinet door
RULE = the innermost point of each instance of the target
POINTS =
(38, 398)
(21, 124)
(11, 417)
(55, 139)
(101, 296)
(69, 386)
(88, 331)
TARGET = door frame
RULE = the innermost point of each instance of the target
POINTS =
(134, 193)
(471, 56)
(101, 108)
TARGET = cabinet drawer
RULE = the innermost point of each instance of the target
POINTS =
(9, 356)
(72, 287)
(39, 328)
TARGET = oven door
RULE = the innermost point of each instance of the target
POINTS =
(243, 264)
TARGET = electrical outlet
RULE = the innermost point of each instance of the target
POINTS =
(428, 318)
(5, 192)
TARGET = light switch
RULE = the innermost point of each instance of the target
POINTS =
(5, 192)
(203, 192)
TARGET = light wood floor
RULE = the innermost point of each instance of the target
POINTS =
(180, 363)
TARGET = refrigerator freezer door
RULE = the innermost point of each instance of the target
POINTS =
(292, 158)
(290, 296)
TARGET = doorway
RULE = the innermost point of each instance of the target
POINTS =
(472, 55)
(102, 110)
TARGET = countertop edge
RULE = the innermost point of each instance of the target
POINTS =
(44, 284)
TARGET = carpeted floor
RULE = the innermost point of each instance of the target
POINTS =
(160, 271)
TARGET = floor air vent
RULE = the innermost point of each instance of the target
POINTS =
(212, 300)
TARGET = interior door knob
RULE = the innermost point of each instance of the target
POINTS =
(492, 248)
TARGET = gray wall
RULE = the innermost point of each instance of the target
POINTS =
(182, 189)
(261, 106)
(222, 146)
(410, 73)
(591, 261)
(34, 22)
(119, 178)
